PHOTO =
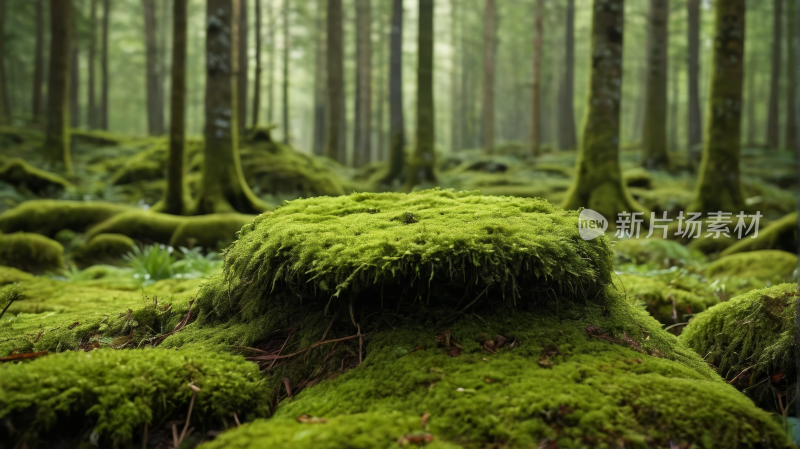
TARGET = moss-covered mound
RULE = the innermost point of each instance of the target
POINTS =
(750, 339)
(114, 393)
(766, 266)
(103, 248)
(780, 234)
(656, 252)
(21, 174)
(667, 300)
(30, 252)
(47, 217)
(10, 275)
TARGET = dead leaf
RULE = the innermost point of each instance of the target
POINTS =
(454, 352)
(489, 381)
(544, 362)
(306, 419)
(565, 410)
(119, 340)
(501, 341)
(550, 351)
(490, 346)
(418, 348)
(424, 420)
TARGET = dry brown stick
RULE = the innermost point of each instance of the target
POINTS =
(270, 356)
(335, 315)
(175, 436)
(195, 390)
(26, 356)
(291, 332)
(360, 343)
(236, 418)
(144, 438)
(288, 384)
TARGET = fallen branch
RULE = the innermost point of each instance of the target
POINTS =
(26, 356)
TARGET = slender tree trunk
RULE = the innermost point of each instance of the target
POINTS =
(790, 61)
(38, 67)
(162, 65)
(363, 100)
(223, 188)
(774, 79)
(695, 118)
(566, 136)
(380, 129)
(319, 81)
(537, 78)
(333, 148)
(151, 68)
(487, 120)
(598, 184)
(423, 162)
(719, 187)
(241, 83)
(654, 133)
(673, 107)
(74, 84)
(5, 115)
(103, 119)
(91, 113)
(176, 196)
(750, 77)
(285, 102)
(271, 21)
(796, 80)
(455, 103)
(257, 80)
(56, 145)
(397, 137)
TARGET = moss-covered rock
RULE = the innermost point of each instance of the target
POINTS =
(668, 300)
(21, 174)
(780, 234)
(114, 393)
(103, 248)
(749, 339)
(47, 217)
(30, 252)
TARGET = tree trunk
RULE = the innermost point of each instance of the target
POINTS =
(790, 85)
(5, 116)
(319, 82)
(56, 144)
(795, 49)
(271, 20)
(103, 119)
(223, 188)
(487, 120)
(176, 196)
(537, 78)
(654, 133)
(455, 103)
(423, 162)
(719, 187)
(241, 83)
(333, 148)
(257, 80)
(566, 114)
(381, 82)
(38, 68)
(397, 136)
(91, 113)
(695, 118)
(775, 75)
(363, 104)
(74, 80)
(598, 184)
(750, 76)
(154, 125)
(285, 102)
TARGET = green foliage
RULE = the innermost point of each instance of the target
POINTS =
(195, 264)
(50, 216)
(30, 252)
(658, 253)
(668, 296)
(151, 262)
(116, 392)
(23, 175)
(742, 272)
(780, 234)
(102, 248)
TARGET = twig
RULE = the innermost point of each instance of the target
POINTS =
(335, 315)
(195, 390)
(175, 436)
(675, 325)
(26, 356)
(236, 418)
(360, 344)
(270, 356)
(288, 384)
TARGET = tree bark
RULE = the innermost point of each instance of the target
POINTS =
(750, 77)
(271, 20)
(241, 83)
(319, 82)
(423, 162)
(598, 184)
(257, 80)
(654, 133)
(695, 119)
(103, 119)
(566, 113)
(790, 86)
(487, 120)
(333, 147)
(155, 122)
(56, 144)
(397, 137)
(363, 100)
(74, 80)
(719, 187)
(537, 78)
(774, 79)
(455, 103)
(38, 67)
(91, 103)
(223, 188)
(795, 49)
(5, 116)
(285, 102)
(176, 196)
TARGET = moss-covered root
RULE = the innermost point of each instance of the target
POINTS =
(780, 234)
(47, 217)
(749, 338)
(114, 393)
(209, 231)
(19, 173)
(103, 248)
(30, 252)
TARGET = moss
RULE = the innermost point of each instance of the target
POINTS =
(97, 137)
(10, 275)
(209, 231)
(667, 300)
(142, 225)
(752, 337)
(113, 393)
(638, 177)
(742, 272)
(103, 248)
(656, 252)
(50, 216)
(30, 252)
(556, 169)
(19, 173)
(780, 234)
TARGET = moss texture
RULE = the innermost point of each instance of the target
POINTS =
(103, 248)
(19, 173)
(668, 300)
(30, 252)
(50, 216)
(742, 272)
(655, 252)
(780, 234)
(10, 275)
(749, 338)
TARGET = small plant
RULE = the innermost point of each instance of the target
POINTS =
(195, 264)
(151, 262)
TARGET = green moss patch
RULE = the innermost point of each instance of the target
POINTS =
(780, 234)
(741, 272)
(658, 253)
(668, 298)
(48, 217)
(10, 275)
(30, 252)
(748, 339)
(19, 173)
(103, 248)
